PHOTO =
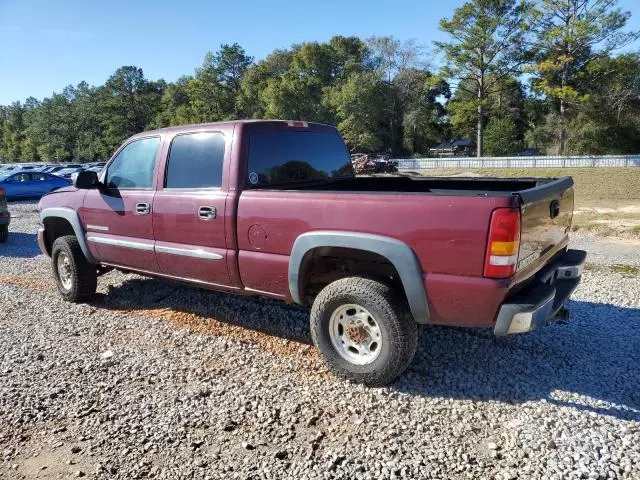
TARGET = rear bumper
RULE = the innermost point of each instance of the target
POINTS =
(541, 300)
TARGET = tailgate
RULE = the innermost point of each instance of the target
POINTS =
(546, 214)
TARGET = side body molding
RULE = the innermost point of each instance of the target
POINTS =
(72, 217)
(399, 254)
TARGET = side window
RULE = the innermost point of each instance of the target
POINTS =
(39, 177)
(195, 161)
(134, 165)
(20, 177)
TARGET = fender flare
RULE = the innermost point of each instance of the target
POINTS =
(72, 217)
(399, 254)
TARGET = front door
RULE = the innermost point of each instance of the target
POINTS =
(189, 210)
(118, 216)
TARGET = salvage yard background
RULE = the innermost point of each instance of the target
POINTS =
(159, 380)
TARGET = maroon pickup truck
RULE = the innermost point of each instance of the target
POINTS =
(272, 208)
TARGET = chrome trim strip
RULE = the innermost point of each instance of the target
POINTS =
(189, 252)
(147, 247)
(262, 292)
(98, 227)
(170, 277)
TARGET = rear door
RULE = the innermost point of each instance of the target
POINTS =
(118, 217)
(189, 209)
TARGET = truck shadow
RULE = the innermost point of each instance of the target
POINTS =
(20, 245)
(591, 363)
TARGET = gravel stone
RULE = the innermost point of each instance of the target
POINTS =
(200, 376)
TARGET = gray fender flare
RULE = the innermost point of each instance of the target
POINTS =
(72, 217)
(399, 254)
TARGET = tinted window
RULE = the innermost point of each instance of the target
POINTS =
(290, 157)
(195, 161)
(39, 176)
(20, 177)
(134, 165)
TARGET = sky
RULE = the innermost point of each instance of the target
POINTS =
(48, 44)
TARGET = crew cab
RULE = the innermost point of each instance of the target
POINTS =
(273, 208)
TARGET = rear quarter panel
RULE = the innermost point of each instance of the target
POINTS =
(448, 233)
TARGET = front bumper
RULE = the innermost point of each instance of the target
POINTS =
(41, 243)
(541, 301)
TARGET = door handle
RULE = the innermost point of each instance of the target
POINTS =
(207, 213)
(143, 208)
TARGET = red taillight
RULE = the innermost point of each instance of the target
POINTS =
(1, 191)
(503, 243)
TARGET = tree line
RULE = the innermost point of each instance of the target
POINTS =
(540, 74)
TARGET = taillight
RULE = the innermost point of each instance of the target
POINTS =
(503, 243)
(1, 192)
(297, 124)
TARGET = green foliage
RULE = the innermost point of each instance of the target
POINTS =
(486, 46)
(569, 36)
(502, 137)
(378, 91)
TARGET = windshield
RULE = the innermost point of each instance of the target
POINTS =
(294, 157)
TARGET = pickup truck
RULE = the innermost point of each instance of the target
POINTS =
(273, 208)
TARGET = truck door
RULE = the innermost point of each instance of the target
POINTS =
(117, 217)
(189, 210)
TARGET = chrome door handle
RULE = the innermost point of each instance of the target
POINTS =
(143, 208)
(207, 213)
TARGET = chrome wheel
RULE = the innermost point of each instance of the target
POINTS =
(64, 271)
(355, 334)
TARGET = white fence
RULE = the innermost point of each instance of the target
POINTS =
(519, 162)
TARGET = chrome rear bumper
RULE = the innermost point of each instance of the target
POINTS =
(544, 298)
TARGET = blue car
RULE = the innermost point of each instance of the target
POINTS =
(30, 184)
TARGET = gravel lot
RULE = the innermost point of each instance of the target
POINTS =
(161, 381)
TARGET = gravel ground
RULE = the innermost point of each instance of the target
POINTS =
(161, 381)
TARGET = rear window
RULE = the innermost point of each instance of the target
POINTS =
(195, 161)
(294, 157)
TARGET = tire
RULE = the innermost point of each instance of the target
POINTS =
(344, 311)
(76, 278)
(4, 233)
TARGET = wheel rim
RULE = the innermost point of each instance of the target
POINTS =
(355, 334)
(64, 271)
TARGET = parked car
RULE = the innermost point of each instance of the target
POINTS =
(26, 184)
(5, 217)
(67, 172)
(272, 208)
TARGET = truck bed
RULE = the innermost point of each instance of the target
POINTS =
(435, 185)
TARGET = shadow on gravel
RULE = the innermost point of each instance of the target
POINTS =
(591, 363)
(20, 245)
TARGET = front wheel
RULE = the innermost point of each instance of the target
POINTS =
(363, 331)
(76, 278)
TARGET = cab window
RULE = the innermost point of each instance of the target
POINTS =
(134, 165)
(195, 161)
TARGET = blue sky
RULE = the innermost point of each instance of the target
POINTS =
(46, 45)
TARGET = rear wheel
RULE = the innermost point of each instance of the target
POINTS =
(75, 277)
(4, 233)
(363, 330)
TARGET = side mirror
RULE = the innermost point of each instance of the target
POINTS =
(86, 180)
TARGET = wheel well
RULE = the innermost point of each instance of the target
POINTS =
(324, 265)
(55, 227)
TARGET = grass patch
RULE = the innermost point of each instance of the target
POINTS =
(607, 200)
(625, 270)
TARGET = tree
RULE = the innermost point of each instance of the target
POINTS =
(502, 137)
(361, 118)
(569, 35)
(487, 45)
